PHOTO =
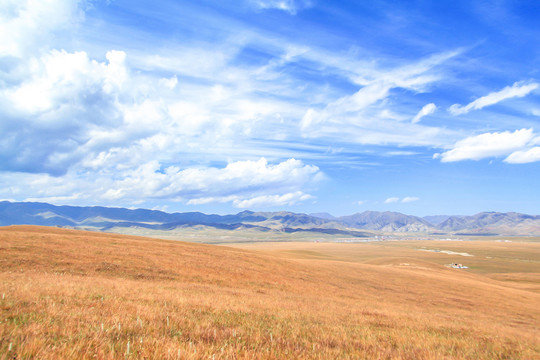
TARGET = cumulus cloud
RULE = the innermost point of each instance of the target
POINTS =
(391, 200)
(50, 113)
(426, 110)
(101, 125)
(128, 109)
(524, 156)
(76, 129)
(518, 89)
(240, 177)
(61, 109)
(488, 145)
(60, 78)
(26, 24)
(241, 183)
(91, 113)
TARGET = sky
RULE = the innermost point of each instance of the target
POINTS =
(340, 106)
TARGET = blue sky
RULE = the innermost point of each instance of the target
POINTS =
(422, 107)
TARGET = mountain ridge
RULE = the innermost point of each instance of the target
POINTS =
(358, 224)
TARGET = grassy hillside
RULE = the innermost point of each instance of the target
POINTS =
(72, 294)
(516, 261)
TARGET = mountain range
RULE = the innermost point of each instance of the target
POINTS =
(358, 225)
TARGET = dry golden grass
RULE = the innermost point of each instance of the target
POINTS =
(72, 294)
(516, 262)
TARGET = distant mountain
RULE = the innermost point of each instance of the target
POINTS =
(323, 215)
(104, 219)
(436, 219)
(386, 221)
(493, 223)
(282, 219)
(46, 214)
(107, 218)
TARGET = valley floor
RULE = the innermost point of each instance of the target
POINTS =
(74, 294)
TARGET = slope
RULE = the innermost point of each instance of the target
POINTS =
(67, 293)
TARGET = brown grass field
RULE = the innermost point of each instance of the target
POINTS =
(86, 295)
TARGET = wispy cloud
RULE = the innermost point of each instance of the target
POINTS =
(518, 89)
(206, 103)
(289, 6)
(488, 145)
(407, 199)
(358, 117)
(191, 100)
(111, 133)
(425, 111)
(273, 200)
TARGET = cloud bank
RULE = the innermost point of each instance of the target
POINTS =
(241, 183)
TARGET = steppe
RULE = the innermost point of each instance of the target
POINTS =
(87, 295)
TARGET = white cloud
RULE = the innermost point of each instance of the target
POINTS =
(401, 153)
(426, 110)
(407, 199)
(60, 100)
(241, 183)
(27, 24)
(524, 156)
(123, 127)
(518, 89)
(170, 83)
(124, 111)
(94, 112)
(488, 145)
(363, 117)
(210, 200)
(273, 200)
(58, 78)
(62, 110)
(290, 6)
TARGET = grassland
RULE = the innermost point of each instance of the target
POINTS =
(208, 235)
(73, 294)
(516, 261)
